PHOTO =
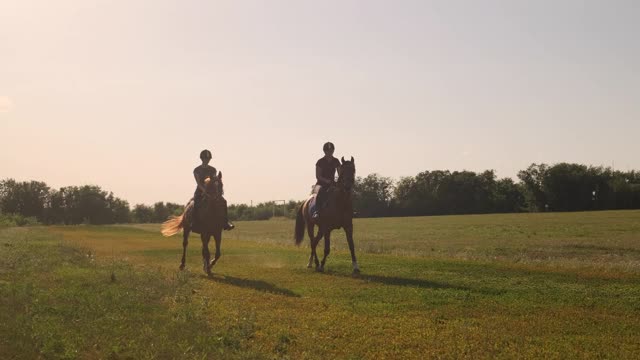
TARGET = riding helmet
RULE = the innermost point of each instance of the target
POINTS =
(328, 147)
(205, 154)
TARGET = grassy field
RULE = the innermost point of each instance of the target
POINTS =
(490, 286)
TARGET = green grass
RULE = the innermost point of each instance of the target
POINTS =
(491, 286)
(58, 302)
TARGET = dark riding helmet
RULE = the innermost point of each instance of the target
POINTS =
(328, 147)
(205, 155)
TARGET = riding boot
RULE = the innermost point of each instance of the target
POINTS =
(228, 225)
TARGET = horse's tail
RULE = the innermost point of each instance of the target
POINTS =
(173, 225)
(300, 225)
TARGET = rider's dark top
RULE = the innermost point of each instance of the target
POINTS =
(328, 168)
(201, 173)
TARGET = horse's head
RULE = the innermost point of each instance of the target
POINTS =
(214, 186)
(347, 174)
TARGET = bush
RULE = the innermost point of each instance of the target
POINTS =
(10, 220)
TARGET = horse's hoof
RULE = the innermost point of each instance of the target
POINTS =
(320, 269)
(356, 271)
(181, 266)
(309, 266)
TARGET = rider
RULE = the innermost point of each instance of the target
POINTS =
(325, 174)
(200, 173)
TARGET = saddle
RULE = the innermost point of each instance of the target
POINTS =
(314, 205)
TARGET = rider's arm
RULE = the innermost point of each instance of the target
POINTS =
(321, 178)
(200, 186)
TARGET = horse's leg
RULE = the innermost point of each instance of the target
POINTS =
(349, 232)
(185, 242)
(312, 237)
(218, 238)
(205, 252)
(327, 249)
(314, 245)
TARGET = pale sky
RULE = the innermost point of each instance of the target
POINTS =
(125, 94)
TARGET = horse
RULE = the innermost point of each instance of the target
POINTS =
(209, 222)
(338, 214)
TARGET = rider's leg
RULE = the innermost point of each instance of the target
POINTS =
(197, 199)
(227, 225)
(320, 199)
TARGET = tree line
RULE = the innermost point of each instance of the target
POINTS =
(34, 201)
(540, 187)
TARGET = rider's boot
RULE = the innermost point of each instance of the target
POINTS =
(228, 225)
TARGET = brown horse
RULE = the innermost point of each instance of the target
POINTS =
(338, 214)
(209, 222)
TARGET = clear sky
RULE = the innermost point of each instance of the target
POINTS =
(125, 94)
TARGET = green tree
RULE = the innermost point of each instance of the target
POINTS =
(26, 198)
(373, 195)
(142, 214)
(120, 211)
(508, 196)
(533, 181)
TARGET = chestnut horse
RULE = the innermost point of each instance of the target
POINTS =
(209, 222)
(337, 214)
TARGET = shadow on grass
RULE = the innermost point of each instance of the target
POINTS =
(258, 285)
(412, 282)
(597, 248)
